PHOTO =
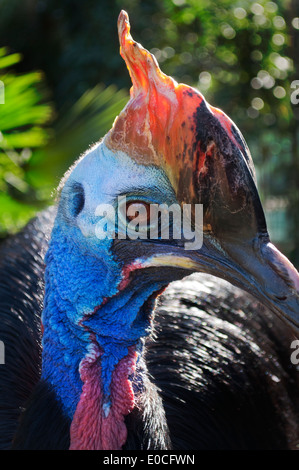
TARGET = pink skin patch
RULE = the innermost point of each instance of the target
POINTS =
(127, 271)
(94, 427)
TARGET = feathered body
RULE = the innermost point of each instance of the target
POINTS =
(90, 362)
(219, 359)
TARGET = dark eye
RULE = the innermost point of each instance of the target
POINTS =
(138, 209)
(76, 199)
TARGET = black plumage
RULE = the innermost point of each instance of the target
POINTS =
(219, 370)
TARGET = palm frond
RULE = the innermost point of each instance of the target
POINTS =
(38, 145)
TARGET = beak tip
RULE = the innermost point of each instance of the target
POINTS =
(283, 267)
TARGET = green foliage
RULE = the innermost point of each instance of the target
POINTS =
(33, 158)
(75, 129)
(22, 117)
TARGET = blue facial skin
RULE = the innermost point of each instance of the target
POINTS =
(82, 273)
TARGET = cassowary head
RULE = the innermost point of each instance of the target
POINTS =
(115, 244)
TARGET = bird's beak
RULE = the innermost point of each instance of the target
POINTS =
(236, 245)
(259, 268)
(255, 266)
(262, 270)
(207, 161)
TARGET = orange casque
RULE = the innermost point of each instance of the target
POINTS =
(158, 124)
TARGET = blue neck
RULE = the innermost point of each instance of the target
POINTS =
(83, 306)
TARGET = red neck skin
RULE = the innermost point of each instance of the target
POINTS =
(94, 427)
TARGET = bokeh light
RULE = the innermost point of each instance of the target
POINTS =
(279, 92)
(295, 23)
(257, 103)
(240, 13)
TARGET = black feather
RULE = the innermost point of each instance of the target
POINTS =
(219, 370)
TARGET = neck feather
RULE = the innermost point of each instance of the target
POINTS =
(90, 354)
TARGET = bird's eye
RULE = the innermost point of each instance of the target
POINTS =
(138, 209)
(134, 217)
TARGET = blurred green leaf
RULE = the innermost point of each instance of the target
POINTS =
(76, 129)
(8, 60)
(14, 214)
(22, 120)
(37, 145)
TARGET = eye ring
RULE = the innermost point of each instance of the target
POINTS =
(134, 216)
(140, 209)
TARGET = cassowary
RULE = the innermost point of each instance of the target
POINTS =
(99, 352)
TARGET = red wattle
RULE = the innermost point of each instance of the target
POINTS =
(90, 428)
